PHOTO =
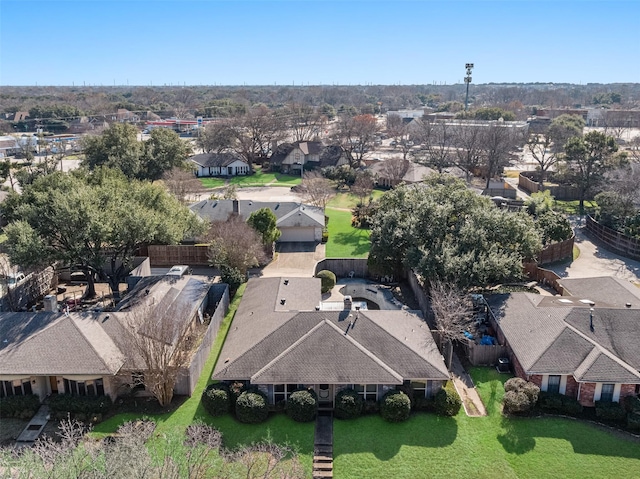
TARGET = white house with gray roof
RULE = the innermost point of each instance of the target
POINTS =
(220, 164)
(585, 344)
(281, 339)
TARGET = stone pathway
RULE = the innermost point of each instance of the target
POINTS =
(30, 433)
(323, 447)
(463, 383)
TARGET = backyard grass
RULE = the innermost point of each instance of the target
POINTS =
(492, 446)
(345, 241)
(573, 207)
(257, 179)
(349, 200)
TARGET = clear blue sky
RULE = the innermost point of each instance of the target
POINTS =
(208, 42)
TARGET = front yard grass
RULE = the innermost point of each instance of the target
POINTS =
(257, 179)
(345, 241)
(212, 182)
(349, 200)
(573, 207)
(486, 447)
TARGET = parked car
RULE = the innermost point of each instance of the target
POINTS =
(14, 279)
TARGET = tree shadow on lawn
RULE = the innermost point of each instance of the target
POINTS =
(372, 434)
(519, 436)
(358, 243)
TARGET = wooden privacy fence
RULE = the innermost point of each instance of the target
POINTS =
(558, 192)
(169, 255)
(614, 240)
(484, 355)
(218, 302)
(557, 251)
(344, 267)
(544, 276)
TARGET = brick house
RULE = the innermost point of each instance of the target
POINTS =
(584, 344)
(283, 338)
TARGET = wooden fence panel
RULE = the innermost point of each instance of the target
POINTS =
(169, 255)
(613, 240)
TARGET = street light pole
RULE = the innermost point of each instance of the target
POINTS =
(467, 80)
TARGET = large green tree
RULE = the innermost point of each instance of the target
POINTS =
(118, 147)
(94, 222)
(588, 158)
(264, 222)
(448, 233)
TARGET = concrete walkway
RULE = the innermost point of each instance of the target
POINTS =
(30, 433)
(323, 447)
(463, 383)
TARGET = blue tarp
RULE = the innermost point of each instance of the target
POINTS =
(468, 335)
(488, 340)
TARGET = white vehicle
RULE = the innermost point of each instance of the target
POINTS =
(14, 279)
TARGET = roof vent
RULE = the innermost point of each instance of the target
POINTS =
(286, 282)
(282, 301)
(628, 305)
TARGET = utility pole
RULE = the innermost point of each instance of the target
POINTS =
(467, 80)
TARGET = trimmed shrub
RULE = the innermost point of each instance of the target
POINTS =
(328, 280)
(610, 411)
(349, 404)
(252, 407)
(631, 403)
(633, 421)
(550, 401)
(571, 406)
(21, 407)
(520, 396)
(216, 399)
(302, 405)
(82, 408)
(325, 236)
(424, 404)
(395, 406)
(447, 402)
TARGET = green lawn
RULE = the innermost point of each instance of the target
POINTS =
(573, 207)
(492, 446)
(212, 182)
(349, 200)
(345, 241)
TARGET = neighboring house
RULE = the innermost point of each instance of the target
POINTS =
(584, 344)
(85, 353)
(291, 157)
(125, 116)
(220, 164)
(388, 176)
(296, 221)
(8, 146)
(85, 124)
(282, 339)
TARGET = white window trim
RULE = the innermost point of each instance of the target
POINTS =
(616, 392)
(563, 384)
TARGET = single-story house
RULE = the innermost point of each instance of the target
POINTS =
(8, 145)
(291, 157)
(390, 173)
(220, 164)
(283, 339)
(87, 353)
(584, 344)
(296, 221)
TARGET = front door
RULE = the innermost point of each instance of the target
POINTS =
(53, 381)
(325, 396)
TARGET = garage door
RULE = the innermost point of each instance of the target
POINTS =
(297, 234)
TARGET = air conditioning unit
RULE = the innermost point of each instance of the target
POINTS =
(51, 303)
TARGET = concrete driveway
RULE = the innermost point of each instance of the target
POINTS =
(595, 260)
(294, 259)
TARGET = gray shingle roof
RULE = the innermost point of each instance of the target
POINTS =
(220, 210)
(604, 291)
(599, 367)
(270, 346)
(210, 160)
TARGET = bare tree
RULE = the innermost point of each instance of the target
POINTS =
(216, 137)
(542, 153)
(304, 121)
(437, 141)
(181, 183)
(452, 311)
(236, 245)
(468, 142)
(159, 345)
(356, 134)
(316, 189)
(634, 149)
(265, 460)
(362, 186)
(394, 169)
(399, 131)
(498, 144)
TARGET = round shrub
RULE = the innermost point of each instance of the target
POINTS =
(348, 404)
(516, 402)
(302, 406)
(514, 384)
(251, 407)
(551, 401)
(532, 391)
(328, 280)
(447, 402)
(395, 406)
(216, 399)
(610, 411)
(21, 407)
(633, 421)
(571, 406)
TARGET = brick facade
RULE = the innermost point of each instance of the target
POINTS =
(627, 390)
(536, 379)
(572, 387)
(587, 391)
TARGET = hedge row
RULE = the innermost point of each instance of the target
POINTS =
(21, 407)
(82, 408)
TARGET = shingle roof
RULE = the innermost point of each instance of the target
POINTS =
(331, 155)
(210, 160)
(281, 153)
(270, 346)
(599, 367)
(604, 290)
(220, 210)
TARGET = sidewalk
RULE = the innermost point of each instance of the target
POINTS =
(463, 383)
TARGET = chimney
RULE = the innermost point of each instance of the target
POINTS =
(347, 303)
(236, 207)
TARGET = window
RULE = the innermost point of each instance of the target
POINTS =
(367, 391)
(607, 392)
(553, 385)
(419, 388)
(91, 387)
(281, 392)
(17, 387)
